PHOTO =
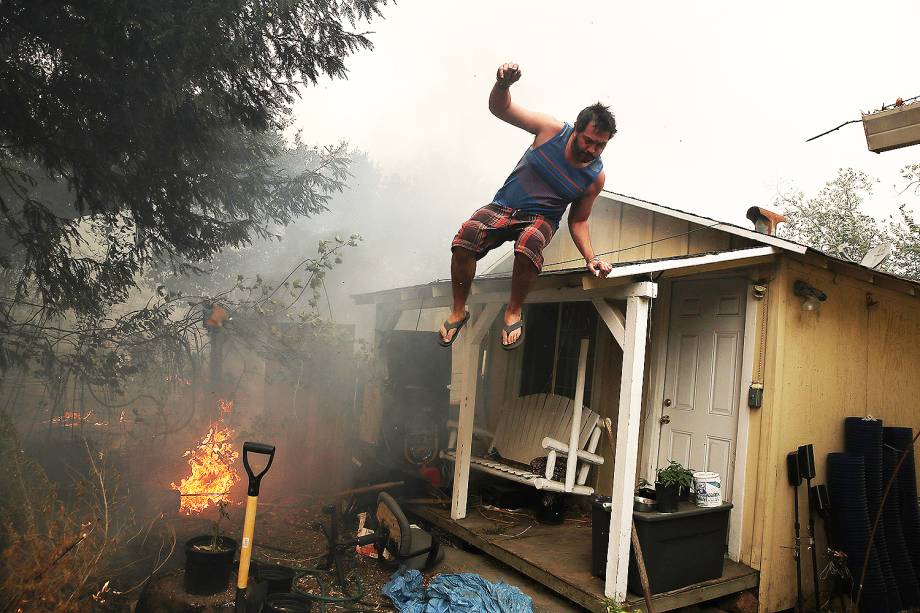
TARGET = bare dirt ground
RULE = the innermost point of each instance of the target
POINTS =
(285, 535)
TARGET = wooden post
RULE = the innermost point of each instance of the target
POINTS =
(474, 334)
(627, 447)
(572, 459)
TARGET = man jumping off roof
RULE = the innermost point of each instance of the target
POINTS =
(563, 166)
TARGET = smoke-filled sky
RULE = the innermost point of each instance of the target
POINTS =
(714, 100)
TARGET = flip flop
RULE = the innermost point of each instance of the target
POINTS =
(452, 326)
(519, 324)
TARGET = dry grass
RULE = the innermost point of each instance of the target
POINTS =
(52, 551)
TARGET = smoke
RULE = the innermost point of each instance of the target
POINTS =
(406, 225)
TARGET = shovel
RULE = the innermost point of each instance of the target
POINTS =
(249, 523)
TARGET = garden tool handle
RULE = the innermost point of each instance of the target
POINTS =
(249, 520)
(256, 479)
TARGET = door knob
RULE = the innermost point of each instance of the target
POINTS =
(665, 419)
(667, 402)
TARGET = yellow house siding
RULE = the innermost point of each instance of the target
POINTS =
(893, 359)
(670, 235)
(605, 400)
(634, 234)
(702, 239)
(501, 380)
(759, 423)
(844, 359)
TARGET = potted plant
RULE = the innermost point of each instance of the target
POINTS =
(209, 558)
(668, 485)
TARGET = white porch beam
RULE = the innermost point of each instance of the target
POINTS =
(627, 447)
(736, 257)
(474, 333)
(614, 319)
(613, 289)
(566, 294)
(562, 294)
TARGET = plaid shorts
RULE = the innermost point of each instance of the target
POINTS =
(493, 225)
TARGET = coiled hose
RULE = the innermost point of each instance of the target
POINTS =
(324, 580)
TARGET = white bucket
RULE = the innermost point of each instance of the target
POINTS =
(708, 488)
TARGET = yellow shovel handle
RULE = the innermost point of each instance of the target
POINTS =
(249, 526)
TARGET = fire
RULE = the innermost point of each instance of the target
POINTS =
(212, 467)
(71, 419)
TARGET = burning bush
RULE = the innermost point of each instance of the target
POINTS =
(212, 467)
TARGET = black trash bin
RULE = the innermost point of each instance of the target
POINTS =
(600, 534)
(680, 548)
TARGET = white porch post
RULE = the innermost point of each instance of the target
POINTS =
(627, 446)
(474, 333)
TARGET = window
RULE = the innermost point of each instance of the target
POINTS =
(553, 337)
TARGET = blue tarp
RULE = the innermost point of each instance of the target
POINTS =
(454, 593)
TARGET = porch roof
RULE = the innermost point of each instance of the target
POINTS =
(798, 250)
(576, 276)
(436, 293)
(549, 284)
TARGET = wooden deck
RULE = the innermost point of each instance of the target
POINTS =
(559, 557)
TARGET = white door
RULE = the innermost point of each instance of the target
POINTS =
(699, 419)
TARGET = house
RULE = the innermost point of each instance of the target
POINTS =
(694, 313)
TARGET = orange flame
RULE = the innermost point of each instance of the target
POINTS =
(211, 462)
(71, 419)
(225, 407)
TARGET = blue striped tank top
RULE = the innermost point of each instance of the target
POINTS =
(544, 182)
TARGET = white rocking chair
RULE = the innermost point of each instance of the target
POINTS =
(535, 426)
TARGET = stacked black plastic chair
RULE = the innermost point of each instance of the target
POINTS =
(864, 437)
(846, 484)
(898, 440)
(898, 553)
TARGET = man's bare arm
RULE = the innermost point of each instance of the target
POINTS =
(578, 227)
(501, 105)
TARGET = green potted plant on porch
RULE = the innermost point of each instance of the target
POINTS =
(668, 485)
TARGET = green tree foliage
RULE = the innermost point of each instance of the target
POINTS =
(834, 222)
(132, 131)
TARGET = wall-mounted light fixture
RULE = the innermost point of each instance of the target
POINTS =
(811, 297)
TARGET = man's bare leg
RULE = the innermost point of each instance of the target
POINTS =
(462, 271)
(522, 278)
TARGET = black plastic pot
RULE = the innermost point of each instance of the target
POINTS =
(286, 603)
(208, 571)
(551, 508)
(667, 497)
(280, 579)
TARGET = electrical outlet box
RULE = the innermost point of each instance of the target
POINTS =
(755, 395)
